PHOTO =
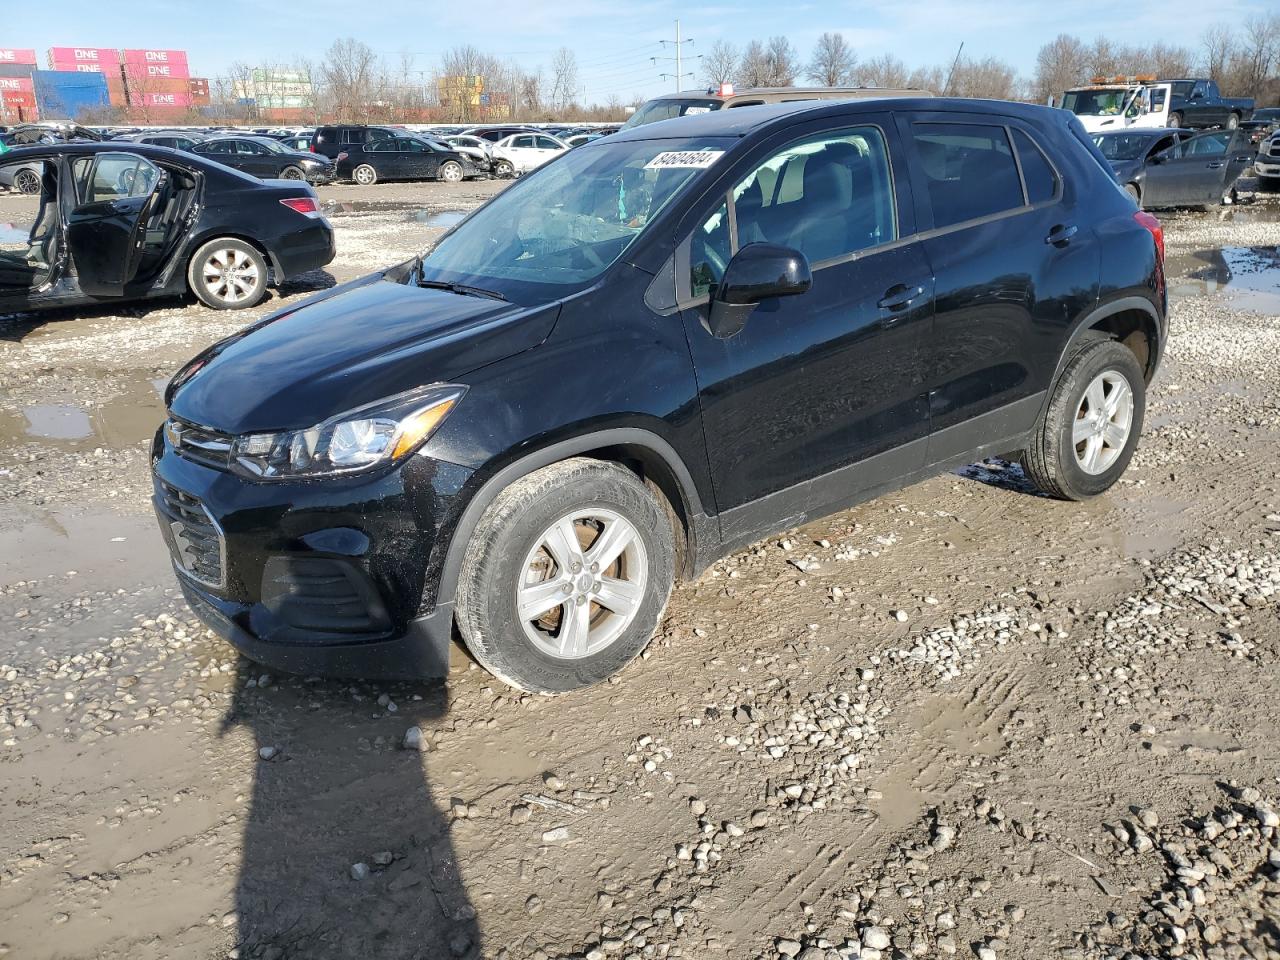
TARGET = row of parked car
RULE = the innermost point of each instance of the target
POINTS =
(357, 152)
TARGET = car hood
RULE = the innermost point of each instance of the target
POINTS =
(359, 344)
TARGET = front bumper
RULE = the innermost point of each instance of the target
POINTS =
(335, 577)
(1267, 168)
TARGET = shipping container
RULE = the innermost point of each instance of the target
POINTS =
(180, 100)
(16, 70)
(65, 94)
(156, 63)
(199, 90)
(13, 55)
(18, 107)
(75, 58)
(17, 85)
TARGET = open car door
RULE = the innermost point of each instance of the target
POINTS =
(113, 195)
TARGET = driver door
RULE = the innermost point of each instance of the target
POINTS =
(112, 199)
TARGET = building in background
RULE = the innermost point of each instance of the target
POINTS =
(281, 96)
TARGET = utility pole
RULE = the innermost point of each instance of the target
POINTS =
(678, 58)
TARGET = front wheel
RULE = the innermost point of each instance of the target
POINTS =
(565, 576)
(451, 172)
(27, 181)
(503, 170)
(365, 175)
(1088, 433)
(228, 274)
(292, 173)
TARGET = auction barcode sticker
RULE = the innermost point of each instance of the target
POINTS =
(684, 159)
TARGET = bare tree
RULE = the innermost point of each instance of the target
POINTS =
(885, 70)
(564, 73)
(1167, 60)
(1062, 63)
(350, 71)
(456, 86)
(988, 78)
(932, 79)
(783, 64)
(753, 69)
(1219, 44)
(720, 63)
(1258, 51)
(832, 62)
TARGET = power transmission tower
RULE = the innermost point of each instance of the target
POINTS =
(679, 75)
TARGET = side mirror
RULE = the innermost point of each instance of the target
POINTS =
(759, 271)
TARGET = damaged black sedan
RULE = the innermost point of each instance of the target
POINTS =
(122, 222)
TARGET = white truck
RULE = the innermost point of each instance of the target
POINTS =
(1116, 103)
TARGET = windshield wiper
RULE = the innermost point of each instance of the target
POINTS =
(461, 288)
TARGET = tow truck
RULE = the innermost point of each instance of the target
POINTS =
(1115, 103)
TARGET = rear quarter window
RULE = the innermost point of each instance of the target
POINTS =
(1037, 173)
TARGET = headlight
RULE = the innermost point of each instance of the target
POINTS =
(360, 439)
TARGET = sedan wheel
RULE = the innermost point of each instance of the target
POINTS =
(503, 169)
(27, 181)
(292, 173)
(228, 274)
(365, 175)
(451, 172)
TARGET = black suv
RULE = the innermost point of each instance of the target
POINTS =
(334, 140)
(663, 346)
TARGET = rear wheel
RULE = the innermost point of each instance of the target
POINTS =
(27, 181)
(566, 576)
(1088, 433)
(365, 175)
(1233, 121)
(1132, 190)
(451, 171)
(292, 173)
(228, 274)
(1175, 119)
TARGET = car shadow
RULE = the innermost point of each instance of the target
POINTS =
(16, 325)
(344, 852)
(1002, 474)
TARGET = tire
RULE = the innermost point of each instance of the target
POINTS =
(228, 274)
(365, 175)
(27, 181)
(1233, 121)
(507, 549)
(1175, 119)
(503, 170)
(1132, 190)
(1053, 461)
(292, 173)
(450, 172)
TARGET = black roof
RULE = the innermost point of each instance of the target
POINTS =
(739, 121)
(1151, 133)
(149, 150)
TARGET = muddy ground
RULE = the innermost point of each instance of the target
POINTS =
(961, 719)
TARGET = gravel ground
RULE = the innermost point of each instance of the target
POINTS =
(958, 720)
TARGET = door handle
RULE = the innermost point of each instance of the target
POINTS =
(899, 296)
(1214, 165)
(1062, 233)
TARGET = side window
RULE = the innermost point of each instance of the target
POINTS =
(546, 143)
(116, 176)
(969, 171)
(380, 146)
(710, 252)
(827, 196)
(1037, 174)
(1161, 145)
(522, 142)
(1207, 145)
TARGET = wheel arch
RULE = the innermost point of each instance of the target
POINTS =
(1132, 321)
(641, 451)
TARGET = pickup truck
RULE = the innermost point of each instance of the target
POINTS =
(1198, 103)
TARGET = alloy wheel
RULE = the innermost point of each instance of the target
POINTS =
(230, 275)
(27, 181)
(582, 584)
(1102, 423)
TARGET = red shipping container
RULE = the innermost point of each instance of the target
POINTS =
(173, 100)
(17, 85)
(156, 63)
(18, 106)
(73, 58)
(145, 85)
(12, 55)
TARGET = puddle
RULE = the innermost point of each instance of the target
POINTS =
(103, 548)
(125, 420)
(1248, 276)
(438, 217)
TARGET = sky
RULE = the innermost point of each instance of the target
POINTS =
(613, 41)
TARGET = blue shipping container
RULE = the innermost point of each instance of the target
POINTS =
(65, 94)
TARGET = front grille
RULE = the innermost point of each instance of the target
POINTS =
(194, 539)
(199, 444)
